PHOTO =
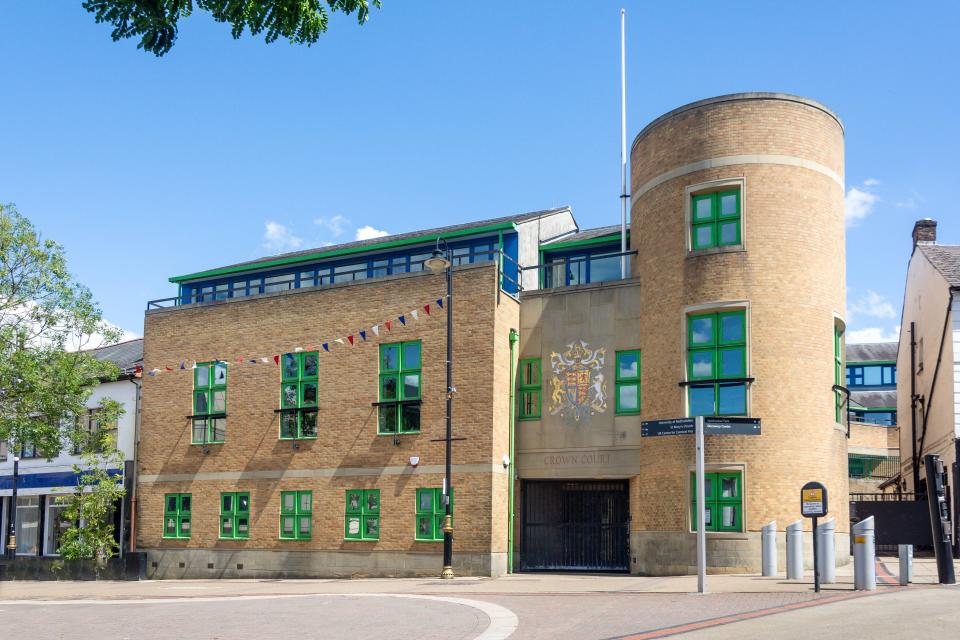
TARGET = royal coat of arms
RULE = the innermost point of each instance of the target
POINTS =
(579, 387)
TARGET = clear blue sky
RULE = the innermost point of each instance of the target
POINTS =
(440, 112)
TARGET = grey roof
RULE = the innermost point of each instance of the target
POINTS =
(872, 351)
(126, 355)
(587, 234)
(875, 399)
(946, 259)
(426, 234)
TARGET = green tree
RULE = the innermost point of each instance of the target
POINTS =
(155, 21)
(46, 318)
(92, 502)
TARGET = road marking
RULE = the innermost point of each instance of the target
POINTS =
(503, 622)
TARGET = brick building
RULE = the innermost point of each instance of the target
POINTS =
(286, 452)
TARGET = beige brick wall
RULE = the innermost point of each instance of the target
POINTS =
(347, 453)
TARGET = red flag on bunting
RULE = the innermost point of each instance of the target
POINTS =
(426, 308)
(350, 338)
(388, 325)
(276, 360)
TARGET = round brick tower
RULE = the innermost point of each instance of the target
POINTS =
(737, 217)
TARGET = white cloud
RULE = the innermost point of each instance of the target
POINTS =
(859, 203)
(335, 224)
(278, 238)
(871, 182)
(871, 304)
(366, 232)
(873, 334)
(96, 340)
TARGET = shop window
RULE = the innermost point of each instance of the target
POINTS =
(28, 525)
(176, 515)
(628, 382)
(299, 390)
(715, 220)
(400, 388)
(430, 514)
(717, 363)
(723, 497)
(296, 515)
(209, 403)
(362, 515)
(530, 389)
(235, 516)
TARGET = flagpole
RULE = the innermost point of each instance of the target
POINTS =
(624, 196)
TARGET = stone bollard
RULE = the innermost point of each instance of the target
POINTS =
(827, 551)
(795, 551)
(768, 541)
(864, 556)
(906, 563)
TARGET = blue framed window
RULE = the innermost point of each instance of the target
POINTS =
(871, 375)
(596, 264)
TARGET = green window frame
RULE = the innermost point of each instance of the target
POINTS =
(296, 515)
(838, 373)
(234, 515)
(209, 418)
(362, 515)
(400, 388)
(430, 512)
(299, 395)
(723, 497)
(715, 220)
(627, 382)
(717, 351)
(176, 515)
(531, 389)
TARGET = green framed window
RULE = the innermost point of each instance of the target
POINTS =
(235, 515)
(715, 220)
(838, 372)
(362, 515)
(723, 495)
(296, 515)
(430, 514)
(299, 390)
(176, 515)
(717, 363)
(400, 389)
(531, 389)
(628, 382)
(209, 403)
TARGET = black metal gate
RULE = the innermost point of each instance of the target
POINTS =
(899, 518)
(575, 526)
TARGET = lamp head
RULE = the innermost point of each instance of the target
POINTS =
(438, 262)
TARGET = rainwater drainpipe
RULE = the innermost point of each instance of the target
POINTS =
(514, 337)
(913, 408)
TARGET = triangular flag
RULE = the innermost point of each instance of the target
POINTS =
(350, 338)
(388, 325)
(340, 340)
(239, 359)
(415, 315)
(253, 361)
(402, 320)
(194, 364)
(440, 302)
(363, 335)
(264, 359)
(311, 347)
(276, 359)
(183, 365)
(376, 329)
(153, 372)
(326, 347)
(298, 348)
(169, 368)
(426, 308)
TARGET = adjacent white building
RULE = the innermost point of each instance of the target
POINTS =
(39, 523)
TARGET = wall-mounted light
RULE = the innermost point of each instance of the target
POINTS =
(414, 461)
(506, 461)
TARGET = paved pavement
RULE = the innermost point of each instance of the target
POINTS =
(523, 606)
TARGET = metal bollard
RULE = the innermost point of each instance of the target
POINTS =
(795, 551)
(827, 558)
(906, 563)
(864, 556)
(768, 543)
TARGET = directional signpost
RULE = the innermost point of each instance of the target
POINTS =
(698, 426)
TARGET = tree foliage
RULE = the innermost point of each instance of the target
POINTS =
(155, 21)
(46, 318)
(91, 504)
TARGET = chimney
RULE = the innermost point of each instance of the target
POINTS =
(925, 231)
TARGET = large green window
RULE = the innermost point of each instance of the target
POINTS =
(209, 402)
(723, 495)
(400, 388)
(299, 373)
(530, 389)
(838, 377)
(362, 515)
(717, 363)
(628, 382)
(296, 515)
(235, 516)
(176, 515)
(430, 514)
(715, 220)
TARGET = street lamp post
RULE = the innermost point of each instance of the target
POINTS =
(443, 261)
(12, 531)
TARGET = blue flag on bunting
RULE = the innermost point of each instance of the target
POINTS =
(326, 347)
(402, 320)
